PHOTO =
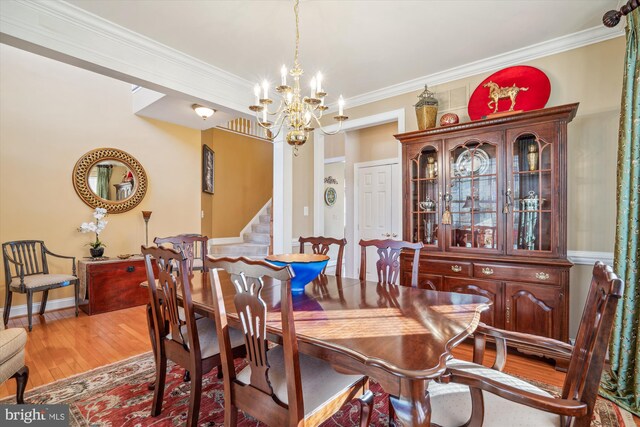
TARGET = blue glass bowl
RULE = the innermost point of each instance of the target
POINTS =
(306, 267)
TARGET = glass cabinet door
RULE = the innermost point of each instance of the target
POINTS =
(471, 202)
(530, 193)
(425, 196)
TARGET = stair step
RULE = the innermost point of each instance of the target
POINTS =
(239, 249)
(261, 228)
(263, 238)
(265, 219)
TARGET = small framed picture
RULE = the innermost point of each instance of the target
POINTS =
(208, 158)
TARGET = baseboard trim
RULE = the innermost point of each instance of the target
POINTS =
(54, 304)
(590, 257)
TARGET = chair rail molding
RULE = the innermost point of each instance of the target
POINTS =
(69, 34)
(590, 257)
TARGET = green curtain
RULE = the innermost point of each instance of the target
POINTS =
(622, 384)
(104, 176)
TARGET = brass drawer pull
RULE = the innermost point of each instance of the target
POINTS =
(487, 271)
(542, 276)
(456, 268)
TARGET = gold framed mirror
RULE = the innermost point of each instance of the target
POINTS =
(110, 178)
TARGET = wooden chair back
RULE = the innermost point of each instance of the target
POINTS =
(322, 245)
(587, 360)
(193, 246)
(172, 278)
(388, 264)
(258, 398)
(30, 253)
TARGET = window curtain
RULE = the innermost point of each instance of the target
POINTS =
(104, 176)
(622, 384)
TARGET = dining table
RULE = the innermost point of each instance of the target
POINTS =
(399, 336)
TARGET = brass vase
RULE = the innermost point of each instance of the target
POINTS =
(426, 109)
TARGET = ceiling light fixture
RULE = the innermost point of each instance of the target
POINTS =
(301, 114)
(204, 112)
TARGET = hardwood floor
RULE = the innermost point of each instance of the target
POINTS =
(62, 345)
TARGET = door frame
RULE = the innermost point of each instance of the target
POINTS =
(397, 116)
(396, 220)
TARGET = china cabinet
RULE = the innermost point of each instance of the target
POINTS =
(488, 199)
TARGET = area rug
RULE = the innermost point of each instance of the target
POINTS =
(117, 396)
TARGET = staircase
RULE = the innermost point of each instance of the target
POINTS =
(255, 241)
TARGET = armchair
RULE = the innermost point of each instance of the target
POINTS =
(12, 342)
(26, 271)
(512, 401)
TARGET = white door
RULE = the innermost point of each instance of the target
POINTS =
(375, 210)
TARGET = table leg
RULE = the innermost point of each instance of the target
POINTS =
(413, 407)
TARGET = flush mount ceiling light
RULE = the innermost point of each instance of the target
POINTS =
(298, 113)
(204, 112)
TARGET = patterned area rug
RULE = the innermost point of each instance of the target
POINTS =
(117, 395)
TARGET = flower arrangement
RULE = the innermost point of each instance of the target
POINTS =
(96, 226)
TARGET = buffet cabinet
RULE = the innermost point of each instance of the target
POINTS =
(488, 199)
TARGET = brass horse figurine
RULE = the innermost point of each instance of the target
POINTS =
(496, 93)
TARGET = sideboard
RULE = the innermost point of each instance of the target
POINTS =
(112, 284)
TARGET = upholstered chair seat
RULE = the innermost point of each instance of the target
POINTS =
(43, 280)
(319, 380)
(451, 403)
(208, 337)
(12, 343)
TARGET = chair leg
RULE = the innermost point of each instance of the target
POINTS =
(7, 305)
(158, 393)
(22, 376)
(392, 413)
(220, 373)
(194, 399)
(43, 303)
(230, 415)
(366, 408)
(30, 309)
(152, 338)
(77, 292)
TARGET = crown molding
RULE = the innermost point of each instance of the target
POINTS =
(64, 32)
(518, 56)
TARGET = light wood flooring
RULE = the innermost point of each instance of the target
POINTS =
(62, 345)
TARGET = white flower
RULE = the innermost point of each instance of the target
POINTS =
(101, 225)
(100, 213)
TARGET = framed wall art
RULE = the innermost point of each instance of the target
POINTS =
(208, 159)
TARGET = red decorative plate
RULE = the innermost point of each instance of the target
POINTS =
(535, 97)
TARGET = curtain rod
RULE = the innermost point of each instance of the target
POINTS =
(612, 18)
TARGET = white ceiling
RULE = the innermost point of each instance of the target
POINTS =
(360, 46)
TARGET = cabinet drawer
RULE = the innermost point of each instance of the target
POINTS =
(448, 268)
(521, 274)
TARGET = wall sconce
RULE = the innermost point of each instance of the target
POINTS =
(204, 112)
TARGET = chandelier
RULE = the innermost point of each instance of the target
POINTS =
(301, 114)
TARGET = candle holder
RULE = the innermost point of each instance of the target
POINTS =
(146, 215)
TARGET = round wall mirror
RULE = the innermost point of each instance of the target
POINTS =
(110, 178)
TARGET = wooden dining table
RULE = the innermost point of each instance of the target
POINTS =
(399, 336)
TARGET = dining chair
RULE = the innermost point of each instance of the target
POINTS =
(194, 247)
(12, 344)
(279, 386)
(26, 271)
(322, 245)
(178, 336)
(388, 264)
(461, 398)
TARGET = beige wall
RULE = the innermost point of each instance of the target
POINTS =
(243, 182)
(375, 142)
(50, 115)
(591, 75)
